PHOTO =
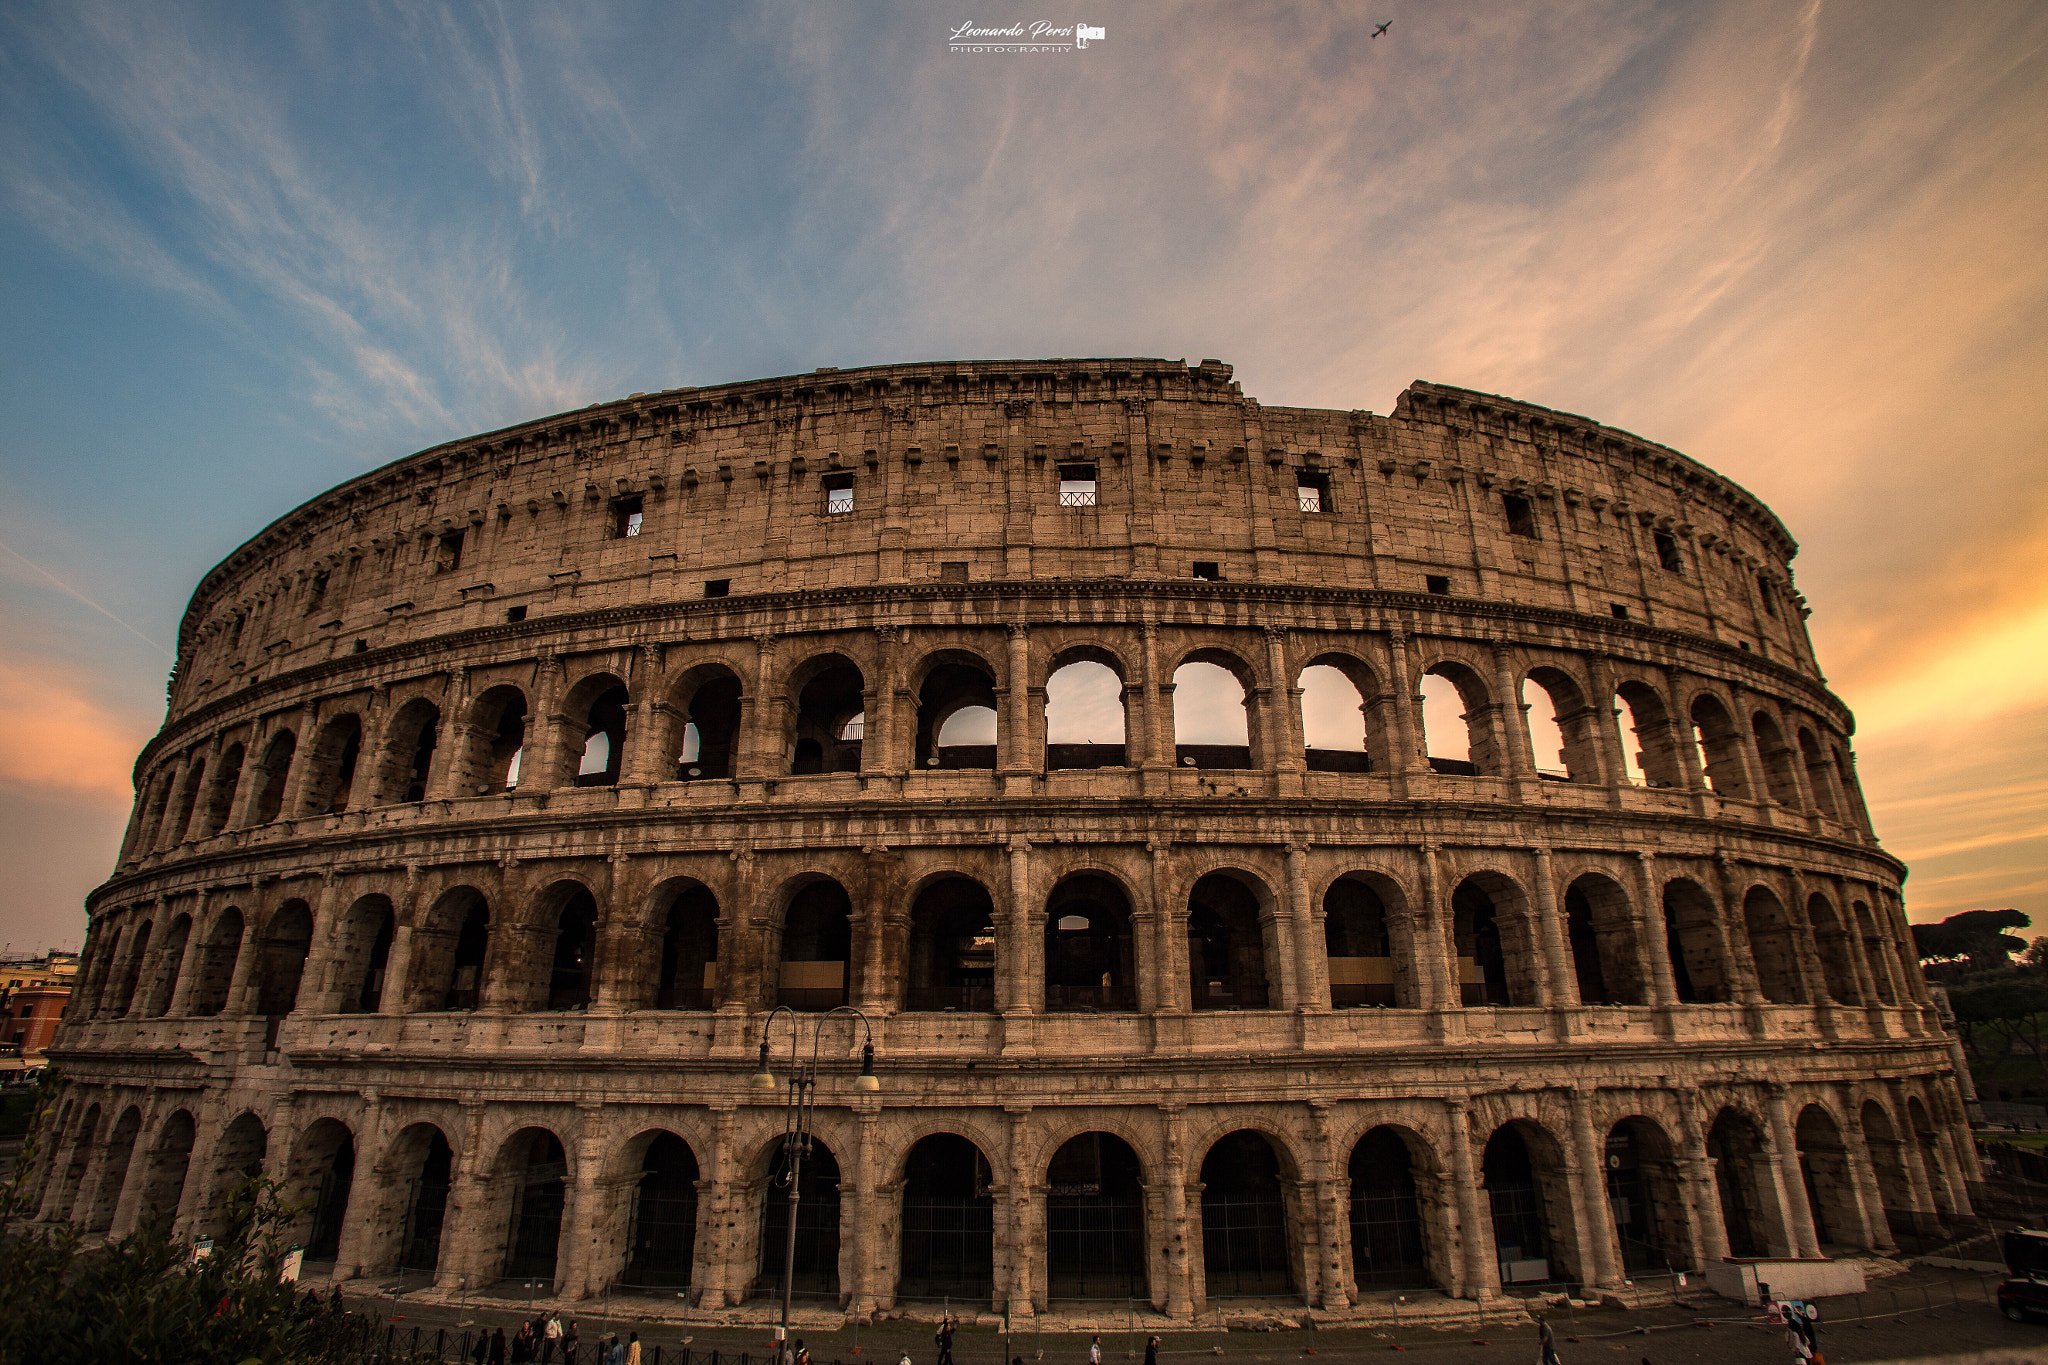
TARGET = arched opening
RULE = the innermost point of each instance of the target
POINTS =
(220, 793)
(538, 1171)
(1818, 774)
(1388, 1246)
(1771, 946)
(830, 718)
(272, 774)
(1736, 1148)
(237, 1158)
(425, 1153)
(688, 977)
(1888, 1162)
(1720, 747)
(1360, 951)
(180, 826)
(1333, 721)
(1601, 934)
(497, 741)
(1545, 735)
(575, 950)
(1095, 1220)
(405, 767)
(361, 954)
(1244, 1220)
(1211, 724)
(817, 1224)
(1825, 1172)
(956, 717)
(601, 721)
(1523, 1191)
(1456, 733)
(949, 1214)
(331, 779)
(1838, 969)
(164, 1178)
(448, 952)
(154, 806)
(215, 969)
(708, 702)
(72, 1180)
(1693, 942)
(119, 1154)
(1089, 963)
(323, 1174)
(664, 1231)
(1226, 946)
(1569, 743)
(952, 962)
(1875, 953)
(131, 972)
(1650, 761)
(1925, 1138)
(1780, 762)
(170, 960)
(1084, 714)
(286, 940)
(1646, 1195)
(817, 948)
(1496, 960)
(105, 951)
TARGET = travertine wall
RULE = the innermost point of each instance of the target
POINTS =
(1608, 1026)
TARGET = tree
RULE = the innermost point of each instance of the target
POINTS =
(1975, 938)
(2012, 1010)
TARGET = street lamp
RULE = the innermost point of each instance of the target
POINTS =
(796, 1121)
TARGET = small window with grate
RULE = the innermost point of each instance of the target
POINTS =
(1077, 485)
(1521, 516)
(1440, 584)
(1209, 569)
(838, 494)
(1313, 491)
(627, 516)
(1667, 552)
(717, 587)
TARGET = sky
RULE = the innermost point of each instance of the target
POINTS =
(247, 252)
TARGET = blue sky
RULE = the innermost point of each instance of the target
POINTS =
(249, 251)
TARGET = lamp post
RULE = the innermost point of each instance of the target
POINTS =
(796, 1122)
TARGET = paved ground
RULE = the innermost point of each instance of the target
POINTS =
(1924, 1314)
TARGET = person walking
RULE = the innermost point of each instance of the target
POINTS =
(633, 1348)
(498, 1347)
(803, 1353)
(482, 1350)
(522, 1345)
(569, 1344)
(1095, 1352)
(550, 1337)
(1546, 1344)
(943, 1339)
(1152, 1350)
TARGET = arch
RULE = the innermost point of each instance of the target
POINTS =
(1825, 1171)
(1772, 946)
(274, 771)
(1227, 949)
(817, 947)
(214, 971)
(1095, 1220)
(105, 950)
(952, 949)
(594, 732)
(154, 806)
(1929, 1143)
(573, 938)
(1086, 720)
(1530, 1203)
(170, 962)
(287, 939)
(1390, 1173)
(1652, 761)
(1818, 774)
(131, 971)
(1720, 747)
(170, 1160)
(496, 746)
(662, 1236)
(1831, 942)
(1496, 950)
(220, 792)
(1692, 938)
(116, 1157)
(1600, 932)
(361, 952)
(533, 1170)
(1646, 1195)
(1090, 958)
(321, 1179)
(1876, 953)
(331, 762)
(1736, 1147)
(1559, 723)
(1363, 966)
(1780, 761)
(817, 1223)
(180, 826)
(1211, 712)
(829, 721)
(687, 971)
(705, 703)
(948, 1223)
(956, 714)
(450, 947)
(405, 761)
(422, 1169)
(1336, 730)
(1457, 705)
(1245, 1226)
(237, 1158)
(1888, 1162)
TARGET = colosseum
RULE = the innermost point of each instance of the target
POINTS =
(512, 796)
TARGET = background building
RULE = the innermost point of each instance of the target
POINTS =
(505, 789)
(33, 992)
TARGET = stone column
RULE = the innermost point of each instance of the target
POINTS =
(1514, 720)
(1311, 987)
(1605, 721)
(1863, 1177)
(305, 729)
(452, 741)
(1016, 944)
(1475, 1220)
(1702, 1195)
(1734, 946)
(712, 1255)
(1859, 959)
(1910, 1151)
(1019, 760)
(1333, 1212)
(867, 1291)
(188, 965)
(1408, 756)
(643, 763)
(1656, 933)
(1281, 724)
(1784, 1138)
(1026, 1249)
(469, 1208)
(875, 989)
(882, 747)
(1561, 988)
(1597, 1236)
(242, 985)
(1437, 945)
(1180, 1301)
(1170, 989)
(544, 730)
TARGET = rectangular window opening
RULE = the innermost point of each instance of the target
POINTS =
(448, 553)
(1764, 590)
(515, 614)
(838, 494)
(1077, 485)
(1313, 490)
(717, 587)
(1521, 515)
(1209, 569)
(953, 571)
(1667, 552)
(627, 516)
(1438, 583)
(1620, 611)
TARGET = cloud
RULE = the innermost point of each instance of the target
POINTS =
(55, 738)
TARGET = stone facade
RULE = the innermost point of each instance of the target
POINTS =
(505, 790)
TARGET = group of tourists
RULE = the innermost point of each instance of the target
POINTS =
(547, 1339)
